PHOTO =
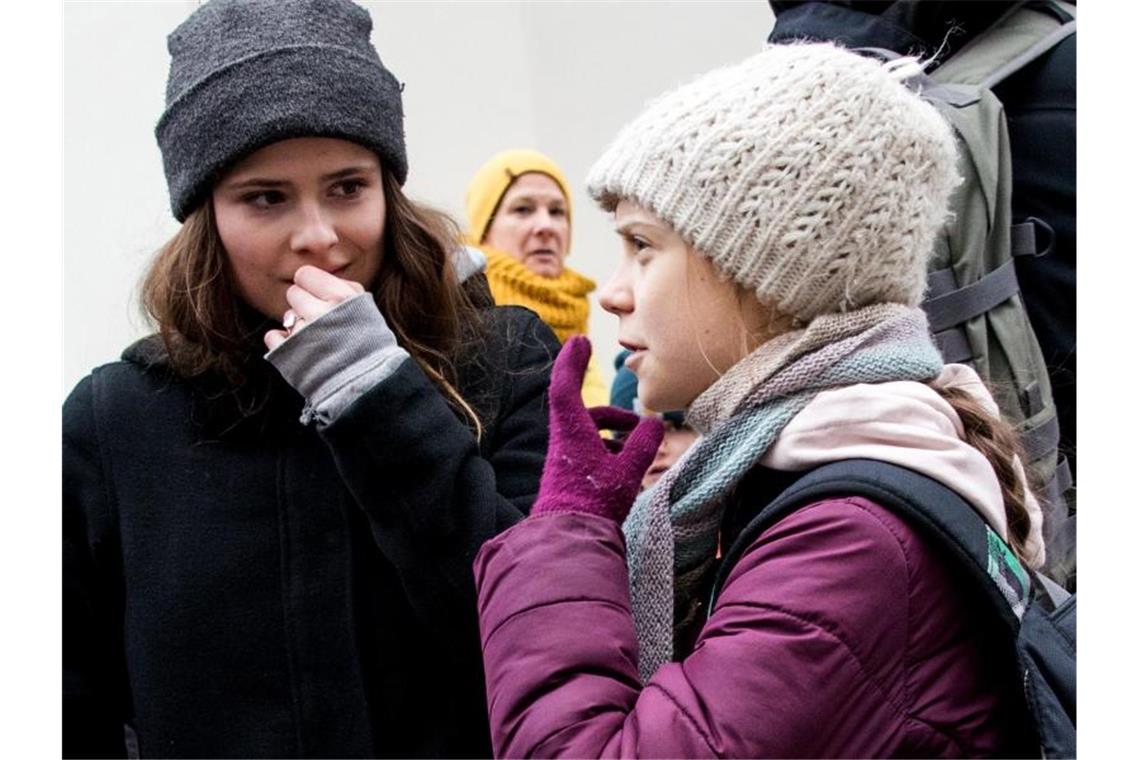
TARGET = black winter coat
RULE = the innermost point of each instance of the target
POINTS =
(265, 589)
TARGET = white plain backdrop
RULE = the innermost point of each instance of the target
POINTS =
(479, 77)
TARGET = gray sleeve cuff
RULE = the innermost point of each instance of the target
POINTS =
(333, 360)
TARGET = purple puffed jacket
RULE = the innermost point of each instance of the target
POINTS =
(840, 633)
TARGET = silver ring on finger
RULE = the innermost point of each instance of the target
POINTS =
(289, 322)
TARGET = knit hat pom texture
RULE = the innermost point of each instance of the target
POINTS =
(807, 173)
(247, 73)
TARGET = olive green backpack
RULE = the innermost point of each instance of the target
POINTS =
(973, 301)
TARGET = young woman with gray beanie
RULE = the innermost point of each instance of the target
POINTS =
(775, 219)
(269, 554)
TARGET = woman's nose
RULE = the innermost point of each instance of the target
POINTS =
(543, 221)
(315, 231)
(615, 296)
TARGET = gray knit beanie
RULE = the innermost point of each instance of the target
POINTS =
(247, 73)
(807, 173)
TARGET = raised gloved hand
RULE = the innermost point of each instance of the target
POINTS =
(583, 471)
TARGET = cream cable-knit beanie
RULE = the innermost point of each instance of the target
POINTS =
(807, 173)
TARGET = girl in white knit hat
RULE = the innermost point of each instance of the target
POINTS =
(775, 218)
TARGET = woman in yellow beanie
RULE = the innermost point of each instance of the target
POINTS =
(518, 212)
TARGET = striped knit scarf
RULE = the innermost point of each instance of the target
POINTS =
(671, 532)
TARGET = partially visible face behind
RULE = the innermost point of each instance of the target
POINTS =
(531, 224)
(677, 440)
(684, 325)
(309, 200)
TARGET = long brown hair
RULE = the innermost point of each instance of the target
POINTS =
(190, 296)
(996, 438)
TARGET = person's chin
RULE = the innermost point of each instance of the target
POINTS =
(652, 395)
(544, 266)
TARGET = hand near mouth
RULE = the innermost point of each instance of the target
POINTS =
(313, 293)
(585, 472)
(345, 349)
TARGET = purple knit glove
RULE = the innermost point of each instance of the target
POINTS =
(585, 472)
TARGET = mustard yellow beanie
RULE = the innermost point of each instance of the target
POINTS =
(490, 183)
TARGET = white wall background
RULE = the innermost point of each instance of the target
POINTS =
(480, 77)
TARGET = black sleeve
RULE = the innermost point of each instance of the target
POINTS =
(432, 494)
(95, 703)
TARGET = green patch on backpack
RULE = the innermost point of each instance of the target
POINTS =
(1005, 570)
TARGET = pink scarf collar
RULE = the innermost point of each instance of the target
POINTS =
(909, 424)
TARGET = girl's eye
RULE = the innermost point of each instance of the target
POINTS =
(636, 248)
(348, 188)
(558, 212)
(521, 209)
(264, 199)
(642, 251)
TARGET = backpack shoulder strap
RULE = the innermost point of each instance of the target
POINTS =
(1014, 41)
(932, 508)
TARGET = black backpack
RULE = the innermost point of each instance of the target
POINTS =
(1038, 616)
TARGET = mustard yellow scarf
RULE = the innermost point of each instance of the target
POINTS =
(559, 301)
